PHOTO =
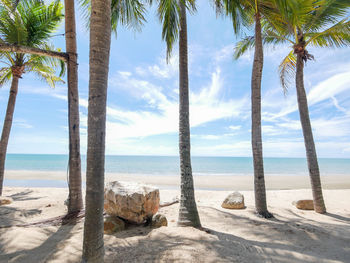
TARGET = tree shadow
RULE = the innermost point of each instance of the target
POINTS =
(11, 215)
(43, 252)
(259, 240)
(23, 196)
(133, 231)
(339, 217)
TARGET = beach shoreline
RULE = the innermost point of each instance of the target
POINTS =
(204, 182)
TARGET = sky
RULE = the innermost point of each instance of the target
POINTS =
(142, 110)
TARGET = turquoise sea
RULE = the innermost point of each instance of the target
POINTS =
(169, 165)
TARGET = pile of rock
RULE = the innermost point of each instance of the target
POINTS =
(5, 200)
(304, 204)
(131, 203)
(234, 201)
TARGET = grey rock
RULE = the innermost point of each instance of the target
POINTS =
(131, 201)
(234, 201)
(159, 220)
(112, 225)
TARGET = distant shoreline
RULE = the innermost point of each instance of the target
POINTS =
(206, 182)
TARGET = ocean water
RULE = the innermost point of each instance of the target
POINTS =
(169, 165)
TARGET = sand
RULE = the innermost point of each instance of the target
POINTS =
(235, 235)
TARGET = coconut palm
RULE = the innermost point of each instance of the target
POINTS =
(172, 14)
(75, 201)
(31, 24)
(104, 16)
(247, 12)
(303, 23)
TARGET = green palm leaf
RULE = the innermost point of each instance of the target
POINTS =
(30, 24)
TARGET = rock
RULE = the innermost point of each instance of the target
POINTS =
(131, 201)
(304, 204)
(159, 220)
(234, 201)
(113, 224)
(5, 200)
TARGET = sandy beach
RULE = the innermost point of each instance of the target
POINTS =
(235, 235)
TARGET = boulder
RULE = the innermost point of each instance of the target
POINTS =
(159, 220)
(113, 224)
(131, 201)
(234, 201)
(5, 200)
(304, 204)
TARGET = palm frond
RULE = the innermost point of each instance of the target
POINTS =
(129, 13)
(326, 12)
(287, 71)
(337, 35)
(243, 46)
(169, 15)
(43, 71)
(5, 75)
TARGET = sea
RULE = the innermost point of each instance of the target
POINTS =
(169, 165)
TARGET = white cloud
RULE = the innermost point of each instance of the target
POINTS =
(205, 106)
(22, 124)
(330, 87)
(162, 69)
(224, 53)
(235, 127)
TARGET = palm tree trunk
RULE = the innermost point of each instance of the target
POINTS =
(188, 214)
(312, 163)
(259, 180)
(75, 203)
(100, 40)
(33, 50)
(7, 127)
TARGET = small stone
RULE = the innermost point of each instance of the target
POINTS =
(159, 220)
(234, 201)
(304, 204)
(5, 200)
(112, 225)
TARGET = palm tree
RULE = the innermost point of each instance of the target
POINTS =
(75, 203)
(246, 12)
(100, 38)
(172, 13)
(306, 23)
(31, 24)
(104, 17)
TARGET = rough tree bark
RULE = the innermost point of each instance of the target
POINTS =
(35, 51)
(75, 201)
(259, 180)
(6, 129)
(311, 155)
(100, 39)
(188, 214)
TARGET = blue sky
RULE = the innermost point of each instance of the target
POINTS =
(142, 113)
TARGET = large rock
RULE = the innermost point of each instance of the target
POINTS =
(5, 200)
(159, 220)
(131, 201)
(234, 201)
(304, 204)
(113, 224)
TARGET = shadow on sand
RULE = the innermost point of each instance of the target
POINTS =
(276, 240)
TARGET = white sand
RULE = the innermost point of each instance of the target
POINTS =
(236, 235)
